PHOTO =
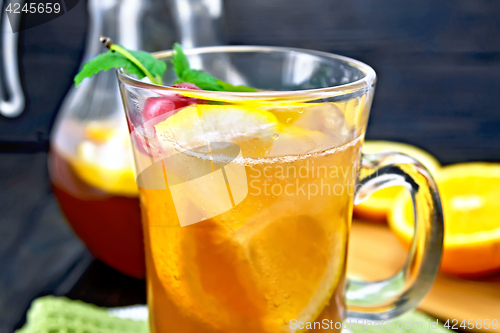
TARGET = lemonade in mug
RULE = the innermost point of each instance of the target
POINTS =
(247, 197)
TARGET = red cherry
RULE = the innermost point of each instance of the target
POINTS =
(156, 106)
(183, 101)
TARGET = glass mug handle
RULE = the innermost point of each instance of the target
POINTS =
(392, 297)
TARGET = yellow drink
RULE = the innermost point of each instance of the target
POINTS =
(272, 262)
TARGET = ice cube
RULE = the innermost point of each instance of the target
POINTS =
(328, 119)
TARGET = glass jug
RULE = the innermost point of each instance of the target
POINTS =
(89, 163)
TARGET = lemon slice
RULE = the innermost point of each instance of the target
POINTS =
(297, 258)
(257, 278)
(99, 133)
(288, 113)
(248, 270)
(103, 160)
(114, 181)
(252, 129)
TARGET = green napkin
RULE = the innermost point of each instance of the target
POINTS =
(51, 314)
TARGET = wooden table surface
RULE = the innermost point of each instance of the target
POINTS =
(375, 253)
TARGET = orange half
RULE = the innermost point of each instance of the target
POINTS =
(470, 195)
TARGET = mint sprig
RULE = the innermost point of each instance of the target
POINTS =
(201, 78)
(110, 59)
(143, 64)
(139, 63)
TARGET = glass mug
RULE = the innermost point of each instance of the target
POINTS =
(247, 198)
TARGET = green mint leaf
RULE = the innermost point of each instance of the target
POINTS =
(109, 60)
(180, 62)
(154, 66)
(200, 78)
(104, 62)
(240, 88)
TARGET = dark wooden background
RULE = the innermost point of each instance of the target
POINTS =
(438, 88)
(437, 62)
